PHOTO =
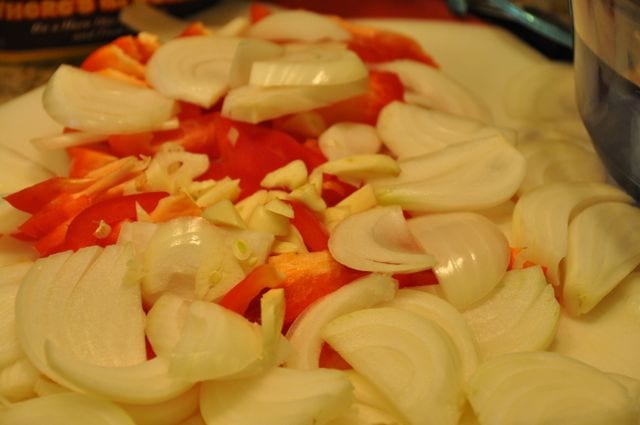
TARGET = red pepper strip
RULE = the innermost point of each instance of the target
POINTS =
(257, 11)
(138, 47)
(240, 296)
(81, 231)
(384, 88)
(85, 160)
(309, 277)
(195, 28)
(34, 198)
(335, 190)
(329, 358)
(425, 277)
(53, 241)
(377, 45)
(248, 152)
(113, 57)
(313, 232)
(131, 144)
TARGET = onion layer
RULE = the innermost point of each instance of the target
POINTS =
(96, 104)
(298, 25)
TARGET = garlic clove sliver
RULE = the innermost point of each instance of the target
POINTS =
(603, 248)
(345, 139)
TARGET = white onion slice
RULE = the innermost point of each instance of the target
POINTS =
(96, 104)
(304, 333)
(313, 66)
(64, 409)
(141, 16)
(601, 337)
(164, 323)
(364, 414)
(194, 69)
(410, 359)
(348, 138)
(472, 175)
(278, 397)
(10, 278)
(448, 318)
(437, 90)
(67, 140)
(543, 231)
(170, 412)
(411, 130)
(255, 104)
(541, 387)
(472, 254)
(20, 171)
(603, 248)
(247, 52)
(378, 240)
(521, 314)
(149, 382)
(557, 160)
(17, 381)
(214, 343)
(298, 25)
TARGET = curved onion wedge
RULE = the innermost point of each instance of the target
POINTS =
(543, 387)
(313, 66)
(10, 278)
(345, 139)
(543, 231)
(378, 240)
(247, 52)
(558, 160)
(164, 323)
(149, 382)
(407, 357)
(411, 130)
(63, 409)
(366, 394)
(88, 302)
(298, 25)
(214, 342)
(603, 248)
(472, 254)
(277, 397)
(364, 414)
(471, 175)
(602, 337)
(190, 257)
(447, 317)
(96, 104)
(521, 314)
(255, 104)
(304, 333)
(170, 412)
(436, 90)
(195, 69)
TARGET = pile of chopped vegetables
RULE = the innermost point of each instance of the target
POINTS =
(296, 219)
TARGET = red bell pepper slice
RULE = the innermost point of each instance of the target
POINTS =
(313, 232)
(195, 28)
(135, 144)
(240, 296)
(81, 230)
(258, 11)
(34, 198)
(113, 57)
(335, 190)
(384, 87)
(84, 160)
(422, 278)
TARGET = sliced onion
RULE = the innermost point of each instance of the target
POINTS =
(298, 25)
(313, 66)
(557, 160)
(543, 231)
(141, 16)
(603, 248)
(410, 130)
(543, 91)
(23, 172)
(600, 337)
(64, 409)
(542, 387)
(255, 104)
(472, 175)
(348, 138)
(67, 140)
(367, 394)
(10, 278)
(521, 314)
(364, 414)
(17, 380)
(378, 240)
(247, 52)
(437, 90)
(304, 333)
(189, 257)
(164, 323)
(194, 69)
(149, 382)
(410, 359)
(447, 317)
(170, 412)
(278, 397)
(96, 104)
(472, 254)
